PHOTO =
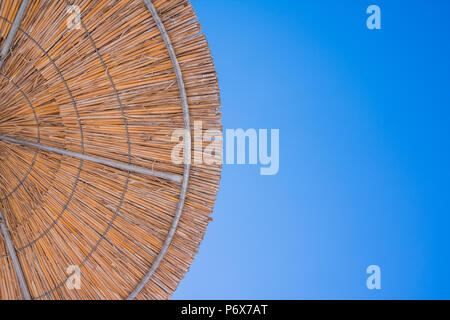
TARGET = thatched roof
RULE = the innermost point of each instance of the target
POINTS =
(86, 121)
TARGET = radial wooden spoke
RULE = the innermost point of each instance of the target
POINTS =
(14, 260)
(13, 32)
(106, 162)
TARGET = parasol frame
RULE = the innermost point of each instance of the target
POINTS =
(184, 179)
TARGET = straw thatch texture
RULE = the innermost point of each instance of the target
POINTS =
(107, 90)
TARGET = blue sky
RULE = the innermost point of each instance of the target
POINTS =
(364, 151)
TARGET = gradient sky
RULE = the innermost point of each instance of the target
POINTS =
(364, 161)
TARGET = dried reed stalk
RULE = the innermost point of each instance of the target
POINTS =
(61, 211)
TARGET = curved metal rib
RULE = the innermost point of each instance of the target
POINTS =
(187, 151)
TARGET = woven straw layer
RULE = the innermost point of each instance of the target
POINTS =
(107, 90)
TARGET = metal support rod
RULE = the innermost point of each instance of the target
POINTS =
(106, 162)
(14, 260)
(13, 31)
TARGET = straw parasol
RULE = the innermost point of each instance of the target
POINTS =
(90, 94)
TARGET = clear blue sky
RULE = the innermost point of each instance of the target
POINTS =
(364, 164)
